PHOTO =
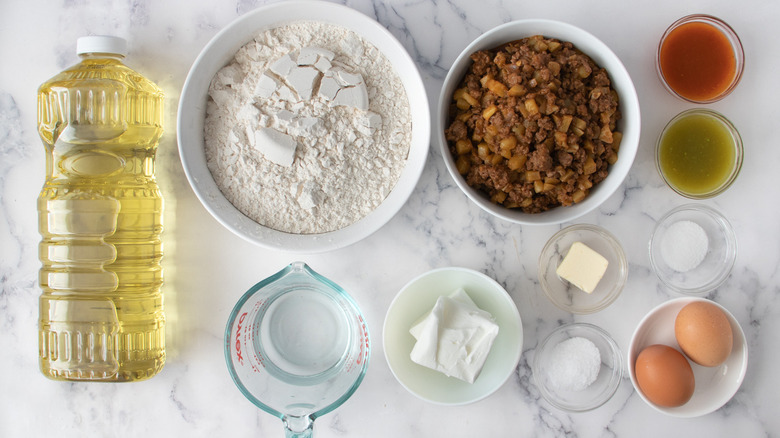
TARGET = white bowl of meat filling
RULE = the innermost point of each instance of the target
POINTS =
(538, 122)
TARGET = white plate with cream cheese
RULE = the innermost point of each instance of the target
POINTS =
(415, 301)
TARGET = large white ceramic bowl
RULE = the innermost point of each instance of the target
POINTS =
(221, 49)
(714, 385)
(416, 299)
(621, 82)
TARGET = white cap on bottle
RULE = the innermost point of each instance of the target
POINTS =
(101, 44)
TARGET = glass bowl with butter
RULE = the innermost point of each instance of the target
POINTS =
(582, 269)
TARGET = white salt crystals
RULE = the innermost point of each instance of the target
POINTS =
(684, 245)
(574, 364)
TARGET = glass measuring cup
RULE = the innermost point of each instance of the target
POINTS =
(297, 346)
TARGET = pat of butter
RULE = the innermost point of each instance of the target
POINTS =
(455, 337)
(583, 267)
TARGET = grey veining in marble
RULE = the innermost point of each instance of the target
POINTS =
(208, 268)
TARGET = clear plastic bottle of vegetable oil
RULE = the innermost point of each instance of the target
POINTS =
(100, 218)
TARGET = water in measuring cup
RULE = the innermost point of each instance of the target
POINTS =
(305, 334)
(297, 346)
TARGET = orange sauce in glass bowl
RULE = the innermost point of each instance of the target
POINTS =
(700, 59)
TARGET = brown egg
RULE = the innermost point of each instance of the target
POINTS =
(704, 333)
(664, 376)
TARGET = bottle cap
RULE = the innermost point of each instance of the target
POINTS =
(101, 44)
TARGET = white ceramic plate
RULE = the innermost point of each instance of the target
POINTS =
(221, 49)
(621, 82)
(714, 385)
(417, 298)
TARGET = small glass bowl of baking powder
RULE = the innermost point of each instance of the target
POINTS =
(693, 249)
(578, 367)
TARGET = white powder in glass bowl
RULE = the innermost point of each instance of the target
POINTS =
(684, 246)
(574, 364)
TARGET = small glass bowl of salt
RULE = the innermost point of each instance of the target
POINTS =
(578, 367)
(693, 249)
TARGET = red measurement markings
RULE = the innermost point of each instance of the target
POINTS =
(364, 341)
(239, 327)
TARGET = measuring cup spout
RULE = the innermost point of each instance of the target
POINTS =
(298, 427)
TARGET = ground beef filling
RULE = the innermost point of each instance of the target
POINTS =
(533, 124)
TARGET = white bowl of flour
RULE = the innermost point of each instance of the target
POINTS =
(303, 126)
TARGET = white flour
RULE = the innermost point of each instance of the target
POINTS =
(345, 164)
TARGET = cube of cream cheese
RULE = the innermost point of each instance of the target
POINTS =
(582, 267)
(455, 337)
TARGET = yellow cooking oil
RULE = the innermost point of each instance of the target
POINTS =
(100, 218)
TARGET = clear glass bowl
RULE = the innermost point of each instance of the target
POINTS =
(597, 393)
(736, 165)
(718, 261)
(728, 32)
(565, 295)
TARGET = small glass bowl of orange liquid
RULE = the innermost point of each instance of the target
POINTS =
(700, 59)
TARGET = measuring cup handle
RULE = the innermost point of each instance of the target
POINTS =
(308, 433)
(298, 427)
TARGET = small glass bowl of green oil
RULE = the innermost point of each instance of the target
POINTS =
(699, 153)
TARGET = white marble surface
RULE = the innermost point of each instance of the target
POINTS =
(208, 268)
